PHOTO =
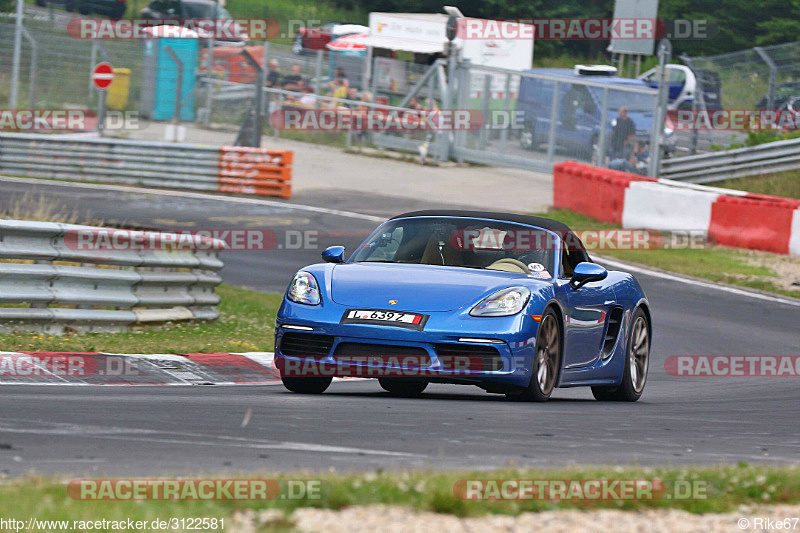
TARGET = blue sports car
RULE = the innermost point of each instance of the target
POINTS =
(510, 303)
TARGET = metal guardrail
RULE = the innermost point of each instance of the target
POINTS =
(49, 283)
(152, 164)
(717, 166)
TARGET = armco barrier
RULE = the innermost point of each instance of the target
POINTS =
(234, 169)
(55, 285)
(728, 217)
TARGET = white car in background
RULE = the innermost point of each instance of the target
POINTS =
(683, 86)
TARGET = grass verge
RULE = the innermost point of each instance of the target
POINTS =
(786, 184)
(246, 324)
(744, 268)
(716, 489)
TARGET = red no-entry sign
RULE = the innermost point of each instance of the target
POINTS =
(102, 75)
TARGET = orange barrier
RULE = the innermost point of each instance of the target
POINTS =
(255, 171)
(593, 191)
(763, 223)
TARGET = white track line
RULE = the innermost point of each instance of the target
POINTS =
(196, 195)
(697, 282)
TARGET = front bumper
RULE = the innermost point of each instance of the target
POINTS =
(452, 348)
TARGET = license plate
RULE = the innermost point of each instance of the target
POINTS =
(384, 318)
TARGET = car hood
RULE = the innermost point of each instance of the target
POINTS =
(422, 288)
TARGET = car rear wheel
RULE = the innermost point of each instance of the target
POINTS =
(637, 362)
(306, 385)
(297, 44)
(403, 387)
(547, 363)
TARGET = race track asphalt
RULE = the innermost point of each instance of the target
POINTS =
(160, 430)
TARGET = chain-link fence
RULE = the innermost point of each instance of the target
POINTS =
(58, 75)
(758, 78)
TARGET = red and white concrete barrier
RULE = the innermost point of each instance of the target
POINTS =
(728, 217)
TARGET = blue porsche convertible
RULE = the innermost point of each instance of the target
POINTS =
(510, 303)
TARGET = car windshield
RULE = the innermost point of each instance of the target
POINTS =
(460, 242)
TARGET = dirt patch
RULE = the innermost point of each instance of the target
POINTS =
(785, 267)
(403, 520)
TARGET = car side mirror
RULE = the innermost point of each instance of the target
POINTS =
(333, 254)
(586, 273)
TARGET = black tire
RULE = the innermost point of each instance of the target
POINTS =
(403, 387)
(637, 354)
(549, 352)
(306, 385)
(298, 46)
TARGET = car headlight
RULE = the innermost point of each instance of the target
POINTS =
(505, 302)
(304, 289)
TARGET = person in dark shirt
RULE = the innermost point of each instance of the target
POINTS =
(291, 82)
(622, 134)
(273, 74)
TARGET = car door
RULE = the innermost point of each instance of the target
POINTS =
(586, 313)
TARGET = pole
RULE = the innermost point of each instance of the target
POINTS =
(209, 81)
(601, 141)
(176, 114)
(101, 111)
(34, 67)
(664, 55)
(17, 53)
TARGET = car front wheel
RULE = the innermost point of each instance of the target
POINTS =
(547, 363)
(637, 362)
(306, 385)
(403, 387)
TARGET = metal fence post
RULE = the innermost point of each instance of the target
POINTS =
(664, 53)
(601, 141)
(17, 56)
(34, 67)
(255, 140)
(773, 72)
(209, 81)
(551, 143)
(318, 73)
(176, 117)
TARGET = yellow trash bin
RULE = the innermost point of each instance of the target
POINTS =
(119, 90)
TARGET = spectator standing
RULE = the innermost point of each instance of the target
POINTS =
(622, 134)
